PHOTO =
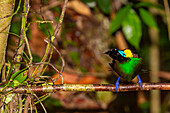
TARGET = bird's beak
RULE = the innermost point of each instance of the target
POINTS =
(107, 52)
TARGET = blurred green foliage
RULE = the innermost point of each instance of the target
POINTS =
(148, 18)
(120, 16)
(130, 22)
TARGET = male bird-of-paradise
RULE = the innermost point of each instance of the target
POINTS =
(126, 64)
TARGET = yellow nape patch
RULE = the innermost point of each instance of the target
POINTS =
(128, 53)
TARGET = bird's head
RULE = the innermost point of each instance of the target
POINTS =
(121, 54)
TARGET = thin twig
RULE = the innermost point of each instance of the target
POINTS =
(47, 63)
(21, 46)
(63, 63)
(50, 6)
(40, 103)
(44, 20)
(20, 103)
(61, 19)
(26, 105)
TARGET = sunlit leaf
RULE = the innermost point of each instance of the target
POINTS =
(148, 18)
(120, 16)
(105, 6)
(132, 29)
(148, 4)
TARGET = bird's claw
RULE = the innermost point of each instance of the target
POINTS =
(117, 84)
(140, 82)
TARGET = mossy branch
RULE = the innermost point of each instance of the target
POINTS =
(87, 87)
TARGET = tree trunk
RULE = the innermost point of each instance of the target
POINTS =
(6, 9)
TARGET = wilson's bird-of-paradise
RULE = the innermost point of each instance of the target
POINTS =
(126, 64)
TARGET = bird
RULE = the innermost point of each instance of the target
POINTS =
(126, 64)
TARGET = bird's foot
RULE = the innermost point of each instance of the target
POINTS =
(140, 82)
(117, 84)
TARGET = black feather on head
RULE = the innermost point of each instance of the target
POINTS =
(115, 55)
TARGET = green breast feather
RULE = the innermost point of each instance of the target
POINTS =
(130, 65)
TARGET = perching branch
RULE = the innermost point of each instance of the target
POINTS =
(87, 87)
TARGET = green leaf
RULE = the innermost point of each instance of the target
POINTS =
(15, 83)
(104, 6)
(15, 27)
(148, 4)
(19, 75)
(132, 29)
(120, 16)
(148, 18)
